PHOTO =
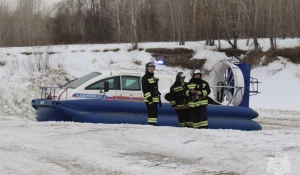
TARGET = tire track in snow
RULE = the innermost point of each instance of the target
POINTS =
(273, 119)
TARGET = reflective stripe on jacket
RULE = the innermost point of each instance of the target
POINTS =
(195, 99)
(178, 96)
(150, 88)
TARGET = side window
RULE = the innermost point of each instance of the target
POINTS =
(131, 83)
(100, 84)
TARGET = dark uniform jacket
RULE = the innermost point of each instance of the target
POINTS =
(178, 96)
(198, 85)
(150, 88)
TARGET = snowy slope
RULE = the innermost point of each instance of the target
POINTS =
(280, 86)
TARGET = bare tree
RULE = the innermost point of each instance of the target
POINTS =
(227, 18)
(194, 4)
(271, 25)
(180, 20)
(4, 22)
(134, 11)
(171, 7)
(252, 18)
(114, 13)
(99, 21)
(209, 20)
(29, 23)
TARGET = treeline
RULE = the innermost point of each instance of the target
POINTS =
(32, 22)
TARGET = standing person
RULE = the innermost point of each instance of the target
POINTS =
(151, 93)
(179, 101)
(198, 90)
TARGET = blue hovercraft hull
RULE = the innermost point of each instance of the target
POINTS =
(129, 112)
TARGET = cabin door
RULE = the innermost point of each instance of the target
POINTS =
(97, 89)
(130, 88)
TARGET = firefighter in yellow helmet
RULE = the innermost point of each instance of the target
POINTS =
(179, 101)
(151, 93)
(198, 90)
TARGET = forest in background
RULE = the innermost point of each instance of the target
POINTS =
(33, 23)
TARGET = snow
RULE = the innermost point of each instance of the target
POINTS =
(280, 86)
(30, 147)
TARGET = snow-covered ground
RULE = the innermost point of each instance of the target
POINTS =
(28, 147)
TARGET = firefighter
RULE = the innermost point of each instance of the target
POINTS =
(197, 91)
(151, 93)
(179, 101)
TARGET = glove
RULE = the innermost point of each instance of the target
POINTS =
(160, 104)
(193, 91)
(199, 92)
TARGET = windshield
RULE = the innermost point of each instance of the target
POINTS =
(79, 81)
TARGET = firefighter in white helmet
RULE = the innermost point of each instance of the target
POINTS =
(197, 91)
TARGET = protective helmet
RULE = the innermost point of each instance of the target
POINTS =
(179, 75)
(197, 71)
(149, 65)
